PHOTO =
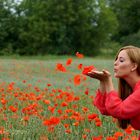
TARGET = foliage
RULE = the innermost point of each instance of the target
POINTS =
(40, 27)
(128, 17)
(57, 27)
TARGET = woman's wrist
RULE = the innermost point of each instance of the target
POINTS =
(102, 87)
(109, 85)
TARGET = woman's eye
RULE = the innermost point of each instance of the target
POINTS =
(121, 60)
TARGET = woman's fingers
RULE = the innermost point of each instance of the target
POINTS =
(100, 75)
(106, 72)
(96, 74)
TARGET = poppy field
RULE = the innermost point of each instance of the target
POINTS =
(52, 99)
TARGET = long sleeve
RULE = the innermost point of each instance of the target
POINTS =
(126, 109)
(99, 102)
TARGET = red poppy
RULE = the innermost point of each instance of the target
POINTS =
(64, 104)
(92, 116)
(129, 129)
(88, 69)
(60, 67)
(12, 108)
(47, 102)
(87, 91)
(52, 121)
(26, 118)
(79, 55)
(3, 101)
(77, 79)
(59, 111)
(80, 66)
(49, 85)
(69, 61)
(118, 134)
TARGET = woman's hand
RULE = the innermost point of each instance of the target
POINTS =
(105, 79)
(102, 76)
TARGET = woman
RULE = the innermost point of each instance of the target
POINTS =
(124, 104)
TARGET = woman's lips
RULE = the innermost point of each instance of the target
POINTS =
(115, 70)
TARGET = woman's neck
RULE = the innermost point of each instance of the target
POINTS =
(132, 80)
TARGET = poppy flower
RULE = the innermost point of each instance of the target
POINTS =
(3, 101)
(69, 61)
(52, 121)
(12, 108)
(60, 67)
(87, 91)
(77, 79)
(64, 104)
(129, 129)
(79, 55)
(92, 116)
(88, 69)
(118, 134)
(80, 66)
(47, 102)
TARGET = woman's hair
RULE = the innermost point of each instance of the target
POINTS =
(123, 88)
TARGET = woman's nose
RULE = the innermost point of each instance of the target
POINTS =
(115, 63)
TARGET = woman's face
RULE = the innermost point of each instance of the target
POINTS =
(122, 65)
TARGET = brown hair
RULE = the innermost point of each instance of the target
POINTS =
(123, 88)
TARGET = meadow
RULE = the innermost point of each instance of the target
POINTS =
(50, 99)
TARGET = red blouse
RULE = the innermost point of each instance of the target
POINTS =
(111, 104)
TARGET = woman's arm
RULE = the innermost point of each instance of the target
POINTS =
(125, 109)
(106, 84)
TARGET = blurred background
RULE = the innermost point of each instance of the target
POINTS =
(63, 27)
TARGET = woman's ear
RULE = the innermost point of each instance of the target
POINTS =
(134, 67)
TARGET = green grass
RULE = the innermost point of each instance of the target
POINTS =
(38, 72)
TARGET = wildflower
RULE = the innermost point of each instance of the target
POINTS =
(47, 102)
(60, 67)
(98, 123)
(48, 85)
(66, 125)
(59, 111)
(3, 101)
(87, 130)
(79, 55)
(13, 109)
(64, 104)
(118, 134)
(77, 79)
(68, 131)
(86, 91)
(51, 109)
(92, 116)
(24, 81)
(80, 66)
(26, 118)
(84, 136)
(1, 130)
(52, 121)
(129, 129)
(88, 69)
(84, 109)
(76, 123)
(69, 61)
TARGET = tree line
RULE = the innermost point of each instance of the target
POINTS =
(40, 27)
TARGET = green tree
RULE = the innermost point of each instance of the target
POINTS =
(59, 26)
(128, 14)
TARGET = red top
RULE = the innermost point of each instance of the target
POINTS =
(111, 104)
